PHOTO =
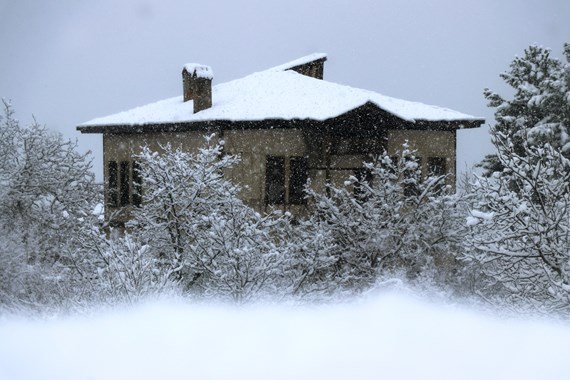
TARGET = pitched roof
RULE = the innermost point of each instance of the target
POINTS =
(278, 93)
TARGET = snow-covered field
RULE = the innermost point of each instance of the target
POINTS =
(386, 336)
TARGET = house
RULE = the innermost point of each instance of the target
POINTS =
(288, 125)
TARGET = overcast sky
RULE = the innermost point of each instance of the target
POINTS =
(69, 61)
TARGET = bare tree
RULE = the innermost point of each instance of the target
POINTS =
(198, 228)
(393, 220)
(520, 225)
(47, 192)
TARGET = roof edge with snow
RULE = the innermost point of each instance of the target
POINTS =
(299, 62)
(278, 93)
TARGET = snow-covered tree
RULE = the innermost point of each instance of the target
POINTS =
(520, 238)
(200, 231)
(121, 268)
(392, 220)
(309, 261)
(539, 111)
(519, 216)
(47, 192)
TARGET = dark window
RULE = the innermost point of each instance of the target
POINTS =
(411, 178)
(298, 180)
(124, 187)
(112, 183)
(364, 177)
(437, 166)
(275, 180)
(393, 168)
(137, 184)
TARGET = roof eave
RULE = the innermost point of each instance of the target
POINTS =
(262, 124)
(452, 124)
(202, 125)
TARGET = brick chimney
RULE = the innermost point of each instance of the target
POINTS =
(197, 85)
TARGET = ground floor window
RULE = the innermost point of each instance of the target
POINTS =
(275, 180)
(112, 184)
(437, 166)
(412, 176)
(285, 179)
(124, 183)
(364, 177)
(299, 174)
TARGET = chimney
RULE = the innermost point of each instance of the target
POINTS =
(197, 85)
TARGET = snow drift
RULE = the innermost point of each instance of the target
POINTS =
(387, 336)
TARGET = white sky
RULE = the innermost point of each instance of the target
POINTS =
(69, 61)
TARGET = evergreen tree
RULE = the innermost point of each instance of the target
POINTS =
(539, 111)
(520, 215)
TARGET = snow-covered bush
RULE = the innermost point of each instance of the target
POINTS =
(519, 218)
(197, 227)
(309, 260)
(520, 228)
(123, 269)
(47, 193)
(393, 221)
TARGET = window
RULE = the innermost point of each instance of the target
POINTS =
(363, 175)
(137, 184)
(395, 162)
(281, 189)
(298, 180)
(275, 180)
(124, 184)
(112, 194)
(437, 166)
(411, 178)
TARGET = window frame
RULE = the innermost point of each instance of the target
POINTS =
(137, 184)
(290, 181)
(439, 163)
(275, 188)
(113, 184)
(124, 183)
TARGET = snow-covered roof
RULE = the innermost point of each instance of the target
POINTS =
(299, 61)
(278, 93)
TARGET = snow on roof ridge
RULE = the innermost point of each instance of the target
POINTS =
(201, 71)
(274, 93)
(298, 62)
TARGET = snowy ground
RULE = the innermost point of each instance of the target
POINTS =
(390, 336)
